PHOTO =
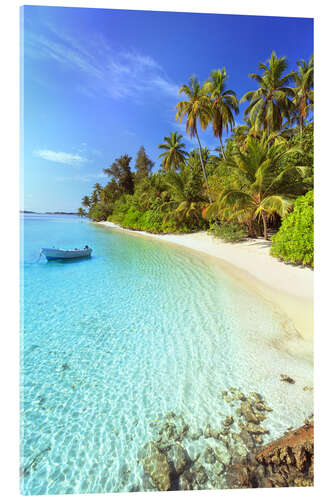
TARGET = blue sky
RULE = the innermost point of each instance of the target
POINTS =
(100, 83)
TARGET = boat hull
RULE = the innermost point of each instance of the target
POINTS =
(58, 254)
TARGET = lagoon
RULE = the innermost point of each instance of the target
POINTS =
(111, 344)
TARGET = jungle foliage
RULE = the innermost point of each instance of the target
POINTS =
(246, 186)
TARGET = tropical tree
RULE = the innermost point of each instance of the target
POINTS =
(187, 200)
(303, 99)
(98, 188)
(224, 103)
(152, 191)
(81, 212)
(263, 183)
(271, 102)
(143, 165)
(196, 109)
(86, 201)
(174, 154)
(120, 171)
(95, 197)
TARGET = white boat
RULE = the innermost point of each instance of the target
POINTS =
(60, 254)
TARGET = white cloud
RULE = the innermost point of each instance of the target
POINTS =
(74, 160)
(117, 73)
(81, 178)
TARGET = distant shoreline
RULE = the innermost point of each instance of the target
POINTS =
(47, 213)
(287, 286)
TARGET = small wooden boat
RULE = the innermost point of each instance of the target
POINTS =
(60, 254)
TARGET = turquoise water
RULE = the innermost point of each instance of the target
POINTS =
(112, 343)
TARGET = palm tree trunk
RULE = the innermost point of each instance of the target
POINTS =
(222, 150)
(252, 233)
(265, 226)
(203, 166)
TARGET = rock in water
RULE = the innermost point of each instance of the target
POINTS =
(155, 465)
(286, 378)
(237, 476)
(176, 459)
(209, 455)
(288, 461)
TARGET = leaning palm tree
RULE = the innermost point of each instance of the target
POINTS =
(86, 201)
(224, 103)
(271, 102)
(81, 212)
(303, 99)
(263, 185)
(174, 154)
(196, 109)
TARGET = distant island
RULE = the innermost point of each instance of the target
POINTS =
(61, 213)
(49, 213)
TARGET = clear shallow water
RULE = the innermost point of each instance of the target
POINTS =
(114, 342)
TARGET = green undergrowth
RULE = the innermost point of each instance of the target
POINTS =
(294, 240)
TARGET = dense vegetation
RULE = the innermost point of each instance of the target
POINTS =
(247, 186)
(294, 241)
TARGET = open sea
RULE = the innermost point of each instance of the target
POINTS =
(111, 344)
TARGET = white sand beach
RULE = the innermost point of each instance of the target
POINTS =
(287, 286)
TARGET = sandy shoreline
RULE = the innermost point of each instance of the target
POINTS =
(288, 287)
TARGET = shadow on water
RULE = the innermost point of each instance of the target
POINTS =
(66, 261)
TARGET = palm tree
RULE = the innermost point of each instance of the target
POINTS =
(187, 201)
(303, 99)
(98, 188)
(81, 212)
(86, 201)
(196, 109)
(152, 191)
(263, 185)
(242, 133)
(224, 103)
(174, 154)
(270, 103)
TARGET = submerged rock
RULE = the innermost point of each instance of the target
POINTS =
(176, 459)
(237, 476)
(229, 420)
(212, 433)
(222, 454)
(250, 415)
(198, 474)
(229, 460)
(255, 429)
(156, 466)
(196, 435)
(247, 439)
(209, 455)
(260, 406)
(286, 378)
(288, 461)
(185, 482)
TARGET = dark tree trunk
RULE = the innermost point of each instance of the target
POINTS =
(203, 167)
(222, 150)
(265, 226)
(252, 233)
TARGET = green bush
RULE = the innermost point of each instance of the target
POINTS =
(98, 212)
(132, 219)
(151, 221)
(294, 240)
(229, 231)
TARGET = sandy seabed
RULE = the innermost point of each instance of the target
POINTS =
(287, 286)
